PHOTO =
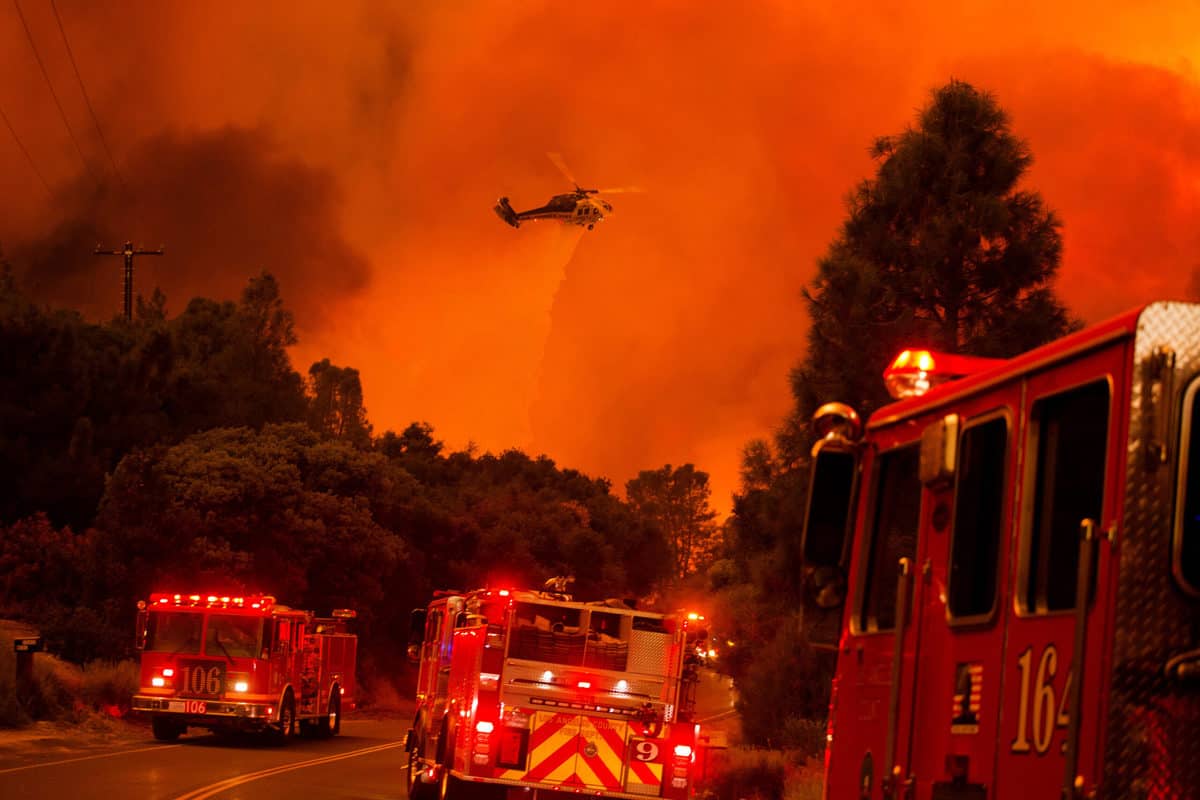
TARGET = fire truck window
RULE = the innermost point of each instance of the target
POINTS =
(977, 515)
(174, 633)
(1072, 438)
(828, 508)
(894, 535)
(266, 642)
(652, 624)
(232, 636)
(1187, 550)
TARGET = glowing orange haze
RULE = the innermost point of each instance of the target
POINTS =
(356, 154)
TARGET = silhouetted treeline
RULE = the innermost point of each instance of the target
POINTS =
(186, 453)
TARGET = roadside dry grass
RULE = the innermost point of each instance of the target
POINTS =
(60, 691)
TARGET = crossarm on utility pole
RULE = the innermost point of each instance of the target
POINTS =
(128, 251)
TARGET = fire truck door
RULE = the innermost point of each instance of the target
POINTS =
(956, 686)
(868, 697)
(283, 655)
(1072, 429)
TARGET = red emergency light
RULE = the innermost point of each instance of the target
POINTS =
(211, 601)
(914, 372)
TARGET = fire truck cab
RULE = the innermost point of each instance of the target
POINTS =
(1016, 557)
(242, 664)
(530, 694)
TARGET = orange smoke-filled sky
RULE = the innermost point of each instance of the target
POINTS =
(355, 150)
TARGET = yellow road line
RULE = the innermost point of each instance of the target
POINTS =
(89, 758)
(205, 792)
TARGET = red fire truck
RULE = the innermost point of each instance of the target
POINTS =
(242, 663)
(530, 694)
(1015, 549)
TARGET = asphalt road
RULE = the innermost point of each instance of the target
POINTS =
(366, 762)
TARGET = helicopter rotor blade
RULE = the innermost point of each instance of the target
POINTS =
(562, 167)
(620, 190)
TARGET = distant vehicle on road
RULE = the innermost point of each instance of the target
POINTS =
(532, 693)
(242, 663)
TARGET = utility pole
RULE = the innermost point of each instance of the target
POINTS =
(129, 252)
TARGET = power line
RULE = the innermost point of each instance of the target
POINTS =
(86, 99)
(54, 94)
(25, 152)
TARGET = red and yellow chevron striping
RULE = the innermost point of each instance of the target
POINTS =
(580, 751)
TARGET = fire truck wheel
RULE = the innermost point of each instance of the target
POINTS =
(416, 789)
(332, 724)
(287, 720)
(165, 730)
(449, 788)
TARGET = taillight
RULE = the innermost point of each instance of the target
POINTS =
(584, 684)
(484, 726)
(683, 750)
(168, 672)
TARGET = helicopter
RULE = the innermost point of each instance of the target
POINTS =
(582, 207)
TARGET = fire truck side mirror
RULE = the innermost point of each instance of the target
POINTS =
(143, 625)
(827, 516)
(414, 653)
(416, 627)
(825, 586)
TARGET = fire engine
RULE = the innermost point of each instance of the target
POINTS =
(242, 664)
(1014, 547)
(531, 694)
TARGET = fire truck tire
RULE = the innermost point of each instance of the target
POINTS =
(165, 730)
(286, 727)
(331, 725)
(449, 787)
(417, 790)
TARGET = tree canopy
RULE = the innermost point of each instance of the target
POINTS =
(942, 248)
(186, 451)
(676, 500)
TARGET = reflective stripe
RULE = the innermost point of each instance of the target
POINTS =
(576, 751)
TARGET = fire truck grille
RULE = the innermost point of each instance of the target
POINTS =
(1152, 750)
(201, 678)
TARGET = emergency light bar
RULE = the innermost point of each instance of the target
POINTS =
(160, 599)
(914, 372)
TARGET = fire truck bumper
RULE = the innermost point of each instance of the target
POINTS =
(526, 790)
(200, 712)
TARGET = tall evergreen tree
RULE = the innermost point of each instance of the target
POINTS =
(336, 403)
(942, 248)
(676, 498)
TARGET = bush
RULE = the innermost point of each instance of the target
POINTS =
(53, 692)
(807, 736)
(746, 773)
(772, 700)
(754, 774)
(109, 685)
(62, 691)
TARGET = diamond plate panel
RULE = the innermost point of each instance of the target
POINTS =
(648, 652)
(1152, 750)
